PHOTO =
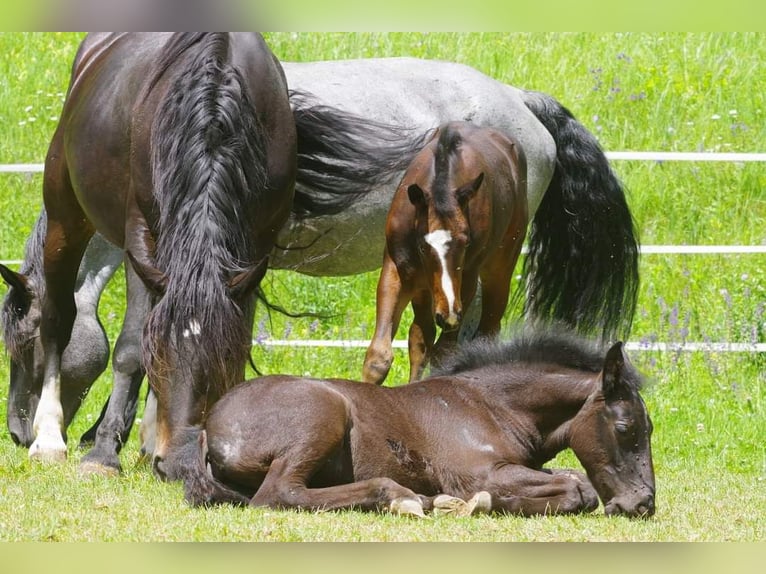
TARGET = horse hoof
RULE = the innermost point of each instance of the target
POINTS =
(445, 504)
(407, 507)
(480, 503)
(90, 468)
(52, 452)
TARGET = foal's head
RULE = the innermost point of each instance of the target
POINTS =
(443, 231)
(611, 438)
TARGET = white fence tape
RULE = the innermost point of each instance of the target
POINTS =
(645, 250)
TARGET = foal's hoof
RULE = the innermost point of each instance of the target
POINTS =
(48, 451)
(407, 507)
(445, 504)
(480, 503)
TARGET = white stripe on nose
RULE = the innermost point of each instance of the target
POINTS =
(439, 241)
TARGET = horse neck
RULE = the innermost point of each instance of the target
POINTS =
(554, 400)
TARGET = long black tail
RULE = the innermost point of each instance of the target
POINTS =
(342, 157)
(582, 266)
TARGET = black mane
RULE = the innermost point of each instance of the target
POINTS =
(446, 149)
(552, 345)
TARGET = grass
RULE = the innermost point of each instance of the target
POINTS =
(683, 92)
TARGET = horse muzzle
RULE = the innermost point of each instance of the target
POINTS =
(449, 322)
(637, 506)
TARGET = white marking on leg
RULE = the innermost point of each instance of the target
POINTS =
(439, 240)
(48, 423)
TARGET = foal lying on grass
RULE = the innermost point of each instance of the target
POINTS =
(480, 429)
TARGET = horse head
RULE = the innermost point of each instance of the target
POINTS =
(611, 438)
(83, 360)
(21, 323)
(443, 228)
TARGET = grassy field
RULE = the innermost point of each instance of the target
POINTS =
(666, 92)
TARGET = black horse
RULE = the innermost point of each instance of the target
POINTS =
(181, 149)
(481, 428)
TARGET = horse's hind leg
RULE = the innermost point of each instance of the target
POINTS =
(316, 449)
(120, 412)
(285, 487)
(68, 233)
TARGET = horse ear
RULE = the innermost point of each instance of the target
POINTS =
(17, 281)
(155, 280)
(416, 195)
(243, 284)
(614, 366)
(465, 193)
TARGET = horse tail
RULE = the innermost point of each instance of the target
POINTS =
(582, 265)
(201, 488)
(342, 156)
(209, 175)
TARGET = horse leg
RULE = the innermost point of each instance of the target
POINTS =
(120, 413)
(67, 236)
(285, 487)
(422, 334)
(496, 275)
(521, 490)
(448, 340)
(391, 302)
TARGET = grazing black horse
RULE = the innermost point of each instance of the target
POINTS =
(181, 149)
(485, 422)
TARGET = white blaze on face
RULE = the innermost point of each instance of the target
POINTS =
(439, 240)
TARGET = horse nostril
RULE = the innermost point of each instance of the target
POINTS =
(157, 468)
(440, 320)
(15, 438)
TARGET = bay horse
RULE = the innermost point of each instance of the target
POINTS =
(458, 215)
(359, 123)
(181, 150)
(486, 422)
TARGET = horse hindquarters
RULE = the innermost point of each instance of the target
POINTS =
(288, 439)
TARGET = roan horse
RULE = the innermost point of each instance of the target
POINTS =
(357, 132)
(458, 215)
(180, 149)
(487, 421)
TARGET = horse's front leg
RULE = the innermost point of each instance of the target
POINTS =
(449, 340)
(67, 236)
(520, 490)
(422, 334)
(496, 276)
(391, 301)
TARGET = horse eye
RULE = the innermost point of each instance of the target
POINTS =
(621, 427)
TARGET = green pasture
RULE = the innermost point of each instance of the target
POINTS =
(646, 92)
